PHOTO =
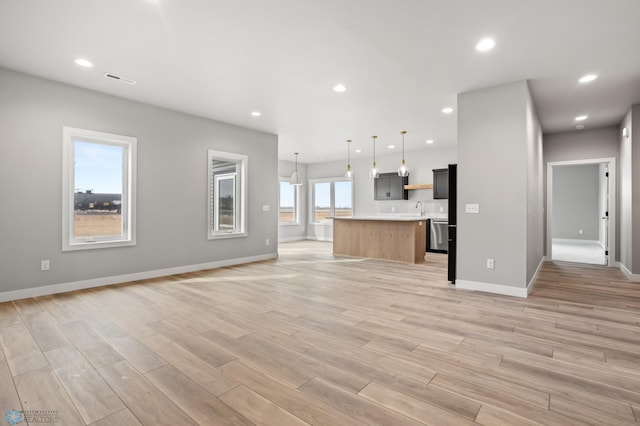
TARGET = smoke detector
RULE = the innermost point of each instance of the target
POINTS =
(125, 80)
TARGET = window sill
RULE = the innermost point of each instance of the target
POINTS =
(84, 245)
(227, 235)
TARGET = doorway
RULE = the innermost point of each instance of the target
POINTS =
(581, 211)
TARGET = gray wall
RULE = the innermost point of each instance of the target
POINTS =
(497, 133)
(630, 192)
(172, 184)
(576, 202)
(603, 142)
(535, 210)
(421, 165)
(635, 189)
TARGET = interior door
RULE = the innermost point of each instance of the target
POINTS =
(605, 208)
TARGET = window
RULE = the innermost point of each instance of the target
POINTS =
(331, 198)
(227, 183)
(288, 213)
(99, 171)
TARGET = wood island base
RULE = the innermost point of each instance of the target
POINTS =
(395, 240)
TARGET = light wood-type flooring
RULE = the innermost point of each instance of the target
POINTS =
(313, 339)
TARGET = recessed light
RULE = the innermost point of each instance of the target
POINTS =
(579, 127)
(429, 141)
(447, 110)
(587, 78)
(485, 44)
(83, 63)
(391, 146)
(581, 118)
(256, 113)
(358, 150)
(339, 88)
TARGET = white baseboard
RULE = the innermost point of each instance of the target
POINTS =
(319, 238)
(532, 282)
(290, 239)
(118, 279)
(628, 274)
(492, 288)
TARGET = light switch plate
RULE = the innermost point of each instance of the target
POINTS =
(472, 208)
(265, 208)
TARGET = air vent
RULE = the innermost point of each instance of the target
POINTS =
(121, 79)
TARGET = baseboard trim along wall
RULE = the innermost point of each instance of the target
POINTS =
(309, 237)
(492, 288)
(119, 279)
(627, 272)
(290, 239)
(532, 283)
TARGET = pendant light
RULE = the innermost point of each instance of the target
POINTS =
(403, 170)
(373, 173)
(296, 178)
(348, 174)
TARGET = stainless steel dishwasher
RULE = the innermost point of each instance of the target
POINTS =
(437, 236)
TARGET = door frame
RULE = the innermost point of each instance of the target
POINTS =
(611, 223)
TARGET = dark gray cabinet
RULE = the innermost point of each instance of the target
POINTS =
(440, 184)
(390, 186)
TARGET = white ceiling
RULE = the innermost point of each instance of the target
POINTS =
(402, 61)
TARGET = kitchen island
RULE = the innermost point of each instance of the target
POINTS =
(396, 238)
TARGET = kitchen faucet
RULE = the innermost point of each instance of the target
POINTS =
(421, 207)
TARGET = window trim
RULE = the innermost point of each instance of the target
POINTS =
(240, 191)
(296, 203)
(129, 163)
(332, 195)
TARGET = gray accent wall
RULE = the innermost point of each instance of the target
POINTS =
(171, 190)
(576, 202)
(499, 168)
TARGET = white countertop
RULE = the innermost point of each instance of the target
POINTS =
(394, 217)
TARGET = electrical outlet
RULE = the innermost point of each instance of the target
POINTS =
(580, 231)
(490, 264)
(45, 265)
(472, 208)
(266, 242)
(265, 208)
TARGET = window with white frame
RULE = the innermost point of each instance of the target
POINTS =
(227, 194)
(288, 213)
(99, 177)
(331, 197)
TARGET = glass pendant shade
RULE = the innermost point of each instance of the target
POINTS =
(403, 170)
(296, 177)
(374, 172)
(349, 173)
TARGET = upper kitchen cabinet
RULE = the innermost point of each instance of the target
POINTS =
(440, 184)
(390, 186)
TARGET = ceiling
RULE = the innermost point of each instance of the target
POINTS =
(402, 61)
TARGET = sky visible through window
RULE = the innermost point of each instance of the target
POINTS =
(98, 167)
(287, 192)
